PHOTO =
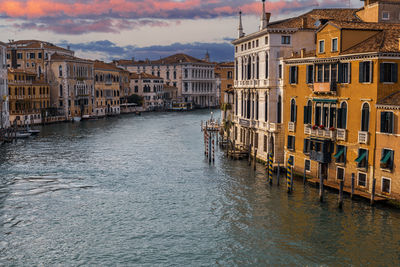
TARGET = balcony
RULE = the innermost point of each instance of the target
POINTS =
(274, 127)
(341, 134)
(325, 88)
(323, 133)
(321, 157)
(244, 123)
(363, 137)
(307, 129)
(291, 126)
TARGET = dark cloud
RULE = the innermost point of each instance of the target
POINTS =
(218, 51)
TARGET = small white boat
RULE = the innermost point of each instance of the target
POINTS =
(19, 135)
(77, 119)
(33, 132)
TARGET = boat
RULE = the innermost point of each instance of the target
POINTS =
(31, 131)
(18, 135)
(76, 119)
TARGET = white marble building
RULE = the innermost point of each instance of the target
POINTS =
(259, 75)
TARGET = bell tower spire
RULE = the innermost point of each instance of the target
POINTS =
(264, 21)
(240, 29)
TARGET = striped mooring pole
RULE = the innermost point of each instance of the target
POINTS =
(270, 167)
(289, 176)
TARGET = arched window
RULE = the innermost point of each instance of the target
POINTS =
(293, 110)
(249, 68)
(365, 118)
(342, 116)
(186, 73)
(174, 75)
(258, 68)
(266, 108)
(60, 71)
(279, 113)
(236, 104)
(61, 90)
(266, 66)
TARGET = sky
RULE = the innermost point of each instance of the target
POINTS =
(141, 29)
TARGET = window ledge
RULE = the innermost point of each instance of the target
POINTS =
(340, 164)
(363, 169)
(387, 170)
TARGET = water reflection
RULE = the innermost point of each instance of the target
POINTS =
(138, 191)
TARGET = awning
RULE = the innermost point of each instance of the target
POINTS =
(386, 157)
(361, 157)
(339, 153)
(325, 100)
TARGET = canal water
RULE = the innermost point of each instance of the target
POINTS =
(137, 190)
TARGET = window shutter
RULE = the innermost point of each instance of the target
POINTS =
(382, 72)
(394, 72)
(339, 116)
(391, 122)
(296, 74)
(290, 75)
(340, 71)
(305, 114)
(383, 120)
(371, 77)
(305, 146)
(349, 72)
(361, 72)
(295, 113)
(307, 74)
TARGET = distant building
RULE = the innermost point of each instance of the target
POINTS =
(170, 96)
(4, 105)
(29, 97)
(193, 77)
(72, 85)
(32, 55)
(224, 76)
(151, 88)
(107, 89)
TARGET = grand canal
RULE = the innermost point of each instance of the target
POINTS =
(136, 190)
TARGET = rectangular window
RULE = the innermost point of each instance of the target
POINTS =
(340, 173)
(306, 148)
(320, 73)
(293, 75)
(32, 55)
(385, 15)
(280, 71)
(340, 155)
(307, 165)
(321, 46)
(40, 55)
(344, 72)
(291, 142)
(19, 55)
(291, 160)
(310, 74)
(266, 40)
(388, 72)
(334, 45)
(387, 158)
(387, 122)
(386, 185)
(307, 114)
(362, 179)
(362, 159)
(285, 39)
(365, 72)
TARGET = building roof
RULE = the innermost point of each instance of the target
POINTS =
(35, 44)
(170, 87)
(309, 19)
(174, 59)
(2, 44)
(57, 56)
(225, 65)
(391, 100)
(105, 66)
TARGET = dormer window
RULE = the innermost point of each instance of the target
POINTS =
(334, 45)
(385, 15)
(321, 47)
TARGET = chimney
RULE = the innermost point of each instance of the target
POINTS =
(264, 21)
(302, 52)
(268, 15)
(304, 22)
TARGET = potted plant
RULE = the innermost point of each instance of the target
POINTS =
(322, 127)
(332, 129)
(315, 127)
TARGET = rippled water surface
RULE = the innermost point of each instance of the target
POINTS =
(136, 190)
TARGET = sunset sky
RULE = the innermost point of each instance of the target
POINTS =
(111, 29)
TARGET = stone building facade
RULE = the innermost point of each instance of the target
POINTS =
(4, 105)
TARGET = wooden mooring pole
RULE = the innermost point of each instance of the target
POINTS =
(352, 186)
(255, 159)
(278, 174)
(321, 185)
(373, 192)
(340, 202)
(249, 154)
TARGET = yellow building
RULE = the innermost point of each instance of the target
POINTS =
(72, 85)
(32, 55)
(224, 72)
(387, 160)
(107, 89)
(330, 100)
(29, 97)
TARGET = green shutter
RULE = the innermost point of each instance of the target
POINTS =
(361, 157)
(339, 153)
(386, 157)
